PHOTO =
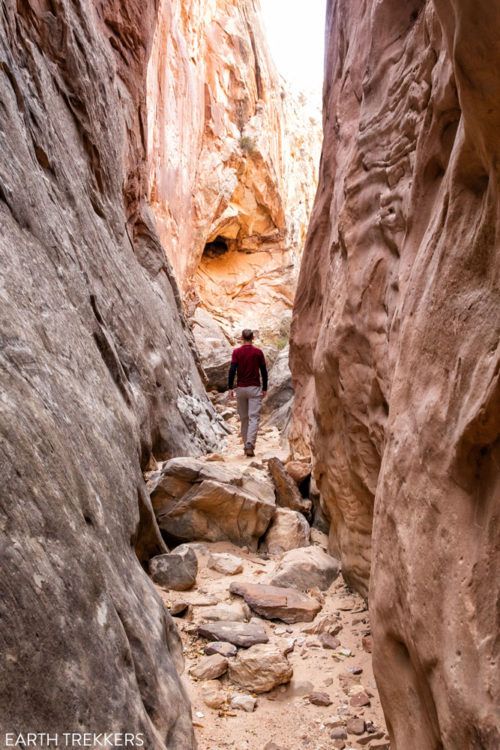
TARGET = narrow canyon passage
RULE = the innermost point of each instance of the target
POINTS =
(234, 224)
(162, 188)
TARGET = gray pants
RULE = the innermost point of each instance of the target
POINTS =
(249, 400)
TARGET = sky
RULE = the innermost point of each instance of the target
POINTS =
(295, 30)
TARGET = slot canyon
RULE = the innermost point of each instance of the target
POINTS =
(162, 187)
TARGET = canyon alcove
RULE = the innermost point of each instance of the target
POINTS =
(161, 189)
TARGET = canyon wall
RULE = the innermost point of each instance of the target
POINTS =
(395, 351)
(97, 377)
(233, 163)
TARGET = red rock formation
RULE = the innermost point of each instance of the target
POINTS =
(233, 163)
(96, 375)
(395, 350)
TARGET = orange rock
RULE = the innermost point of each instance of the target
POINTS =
(233, 161)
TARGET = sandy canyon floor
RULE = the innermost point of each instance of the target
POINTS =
(287, 717)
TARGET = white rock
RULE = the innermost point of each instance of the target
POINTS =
(306, 568)
(225, 612)
(288, 530)
(243, 702)
(260, 668)
(225, 563)
(209, 667)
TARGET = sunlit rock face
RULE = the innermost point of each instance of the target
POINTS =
(96, 376)
(395, 350)
(233, 158)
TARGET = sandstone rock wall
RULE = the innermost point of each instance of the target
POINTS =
(96, 376)
(233, 162)
(395, 350)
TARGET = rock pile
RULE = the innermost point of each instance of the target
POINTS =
(257, 629)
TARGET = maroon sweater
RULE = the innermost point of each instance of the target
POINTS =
(248, 362)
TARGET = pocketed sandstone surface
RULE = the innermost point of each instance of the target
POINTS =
(395, 350)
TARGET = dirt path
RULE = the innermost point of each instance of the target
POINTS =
(284, 718)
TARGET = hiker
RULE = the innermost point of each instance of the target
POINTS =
(248, 364)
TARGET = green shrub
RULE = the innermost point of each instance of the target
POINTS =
(248, 145)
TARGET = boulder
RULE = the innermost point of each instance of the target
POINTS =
(213, 695)
(277, 407)
(168, 480)
(243, 702)
(260, 668)
(305, 568)
(325, 624)
(298, 470)
(213, 347)
(178, 608)
(209, 501)
(217, 512)
(257, 483)
(287, 492)
(209, 667)
(178, 475)
(222, 648)
(328, 641)
(176, 570)
(355, 725)
(241, 634)
(226, 612)
(273, 602)
(319, 699)
(225, 563)
(288, 530)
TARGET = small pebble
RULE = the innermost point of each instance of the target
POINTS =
(319, 699)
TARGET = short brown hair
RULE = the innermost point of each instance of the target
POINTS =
(247, 334)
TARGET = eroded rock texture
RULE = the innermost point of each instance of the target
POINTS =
(233, 164)
(96, 376)
(395, 351)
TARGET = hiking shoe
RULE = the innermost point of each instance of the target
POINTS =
(249, 451)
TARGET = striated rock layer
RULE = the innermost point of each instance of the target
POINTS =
(233, 164)
(395, 350)
(97, 376)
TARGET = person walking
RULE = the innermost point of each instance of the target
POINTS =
(249, 365)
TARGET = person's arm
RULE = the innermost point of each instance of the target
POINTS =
(232, 372)
(263, 373)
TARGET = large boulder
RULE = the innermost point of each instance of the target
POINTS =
(213, 348)
(178, 475)
(260, 668)
(176, 570)
(277, 603)
(217, 512)
(288, 530)
(277, 407)
(306, 568)
(287, 492)
(197, 500)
